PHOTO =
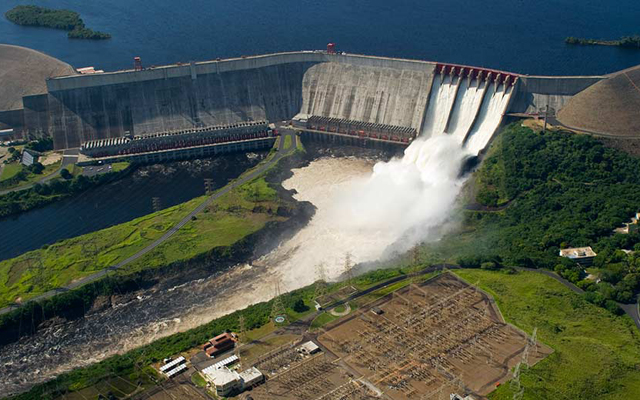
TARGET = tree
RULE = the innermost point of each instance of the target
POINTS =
(36, 168)
(299, 306)
(65, 173)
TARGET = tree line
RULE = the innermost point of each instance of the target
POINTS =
(564, 190)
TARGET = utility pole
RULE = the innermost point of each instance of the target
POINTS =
(321, 283)
(546, 114)
(348, 268)
(156, 204)
(208, 185)
(278, 308)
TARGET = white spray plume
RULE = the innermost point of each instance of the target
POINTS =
(364, 213)
(404, 199)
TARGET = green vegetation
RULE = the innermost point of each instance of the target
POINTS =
(117, 167)
(299, 144)
(595, 353)
(58, 19)
(230, 218)
(287, 142)
(322, 320)
(563, 190)
(42, 194)
(631, 42)
(198, 380)
(20, 175)
(340, 309)
(40, 145)
(9, 171)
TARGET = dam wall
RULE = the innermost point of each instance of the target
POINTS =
(272, 87)
(383, 94)
(535, 93)
(431, 98)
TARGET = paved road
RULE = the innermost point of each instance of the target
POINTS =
(69, 157)
(100, 274)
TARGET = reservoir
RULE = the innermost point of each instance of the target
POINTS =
(523, 37)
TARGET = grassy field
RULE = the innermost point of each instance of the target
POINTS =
(10, 170)
(287, 142)
(322, 319)
(595, 353)
(233, 216)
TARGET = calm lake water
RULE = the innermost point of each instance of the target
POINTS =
(519, 36)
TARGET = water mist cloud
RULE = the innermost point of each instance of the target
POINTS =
(404, 199)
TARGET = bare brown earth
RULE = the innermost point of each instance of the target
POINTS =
(23, 73)
(433, 339)
(610, 107)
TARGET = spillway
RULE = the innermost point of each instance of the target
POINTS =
(467, 105)
(443, 95)
(431, 98)
(493, 108)
(466, 108)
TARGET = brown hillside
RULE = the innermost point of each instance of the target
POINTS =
(23, 72)
(611, 106)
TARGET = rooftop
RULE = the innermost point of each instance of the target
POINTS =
(221, 376)
(578, 252)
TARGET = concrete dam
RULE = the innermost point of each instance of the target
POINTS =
(430, 98)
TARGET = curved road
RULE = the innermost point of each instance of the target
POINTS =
(242, 180)
(69, 157)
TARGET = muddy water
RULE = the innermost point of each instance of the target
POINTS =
(164, 311)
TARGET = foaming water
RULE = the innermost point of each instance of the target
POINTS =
(397, 203)
(362, 208)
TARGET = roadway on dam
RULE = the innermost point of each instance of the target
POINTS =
(281, 153)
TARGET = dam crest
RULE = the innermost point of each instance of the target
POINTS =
(431, 98)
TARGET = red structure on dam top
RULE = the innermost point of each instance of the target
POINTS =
(507, 78)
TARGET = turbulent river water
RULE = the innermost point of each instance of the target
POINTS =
(363, 208)
(163, 311)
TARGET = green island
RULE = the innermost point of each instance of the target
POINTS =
(630, 42)
(67, 20)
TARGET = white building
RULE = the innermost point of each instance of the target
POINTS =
(308, 348)
(224, 380)
(582, 255)
(227, 381)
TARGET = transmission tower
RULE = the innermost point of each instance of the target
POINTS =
(40, 275)
(278, 308)
(321, 282)
(156, 204)
(348, 268)
(415, 255)
(208, 185)
(516, 386)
